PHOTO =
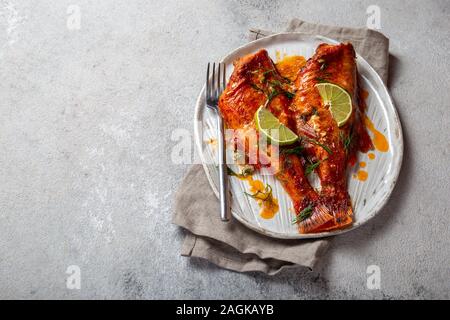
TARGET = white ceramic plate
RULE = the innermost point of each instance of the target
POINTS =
(368, 197)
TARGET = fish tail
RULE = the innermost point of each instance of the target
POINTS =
(342, 211)
(320, 216)
(344, 215)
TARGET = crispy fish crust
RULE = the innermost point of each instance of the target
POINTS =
(253, 79)
(256, 81)
(326, 143)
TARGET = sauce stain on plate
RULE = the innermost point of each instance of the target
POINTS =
(264, 197)
(361, 175)
(289, 66)
(213, 143)
(379, 140)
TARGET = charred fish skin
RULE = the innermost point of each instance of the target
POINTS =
(324, 143)
(255, 81)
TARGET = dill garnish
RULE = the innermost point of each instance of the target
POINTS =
(268, 71)
(297, 150)
(326, 148)
(289, 95)
(230, 172)
(272, 94)
(275, 87)
(262, 195)
(245, 173)
(321, 80)
(254, 86)
(347, 140)
(312, 166)
(303, 215)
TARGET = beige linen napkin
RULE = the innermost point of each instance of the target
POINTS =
(231, 245)
(370, 44)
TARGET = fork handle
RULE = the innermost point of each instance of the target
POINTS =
(223, 174)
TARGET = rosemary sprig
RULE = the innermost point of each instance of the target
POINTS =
(303, 215)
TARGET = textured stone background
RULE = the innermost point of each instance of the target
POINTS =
(85, 172)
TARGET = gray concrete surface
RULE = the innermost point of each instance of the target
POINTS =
(85, 174)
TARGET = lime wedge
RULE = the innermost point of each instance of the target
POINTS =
(268, 124)
(339, 101)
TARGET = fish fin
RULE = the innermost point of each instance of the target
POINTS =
(345, 221)
(338, 203)
(343, 215)
(331, 225)
(320, 216)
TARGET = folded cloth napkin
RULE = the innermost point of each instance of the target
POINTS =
(370, 44)
(231, 245)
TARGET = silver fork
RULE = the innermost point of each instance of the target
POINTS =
(215, 84)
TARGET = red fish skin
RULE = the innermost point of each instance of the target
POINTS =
(238, 104)
(335, 64)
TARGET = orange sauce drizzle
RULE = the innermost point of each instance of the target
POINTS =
(379, 140)
(361, 175)
(371, 155)
(289, 66)
(268, 204)
(212, 142)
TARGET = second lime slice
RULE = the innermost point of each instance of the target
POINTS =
(271, 127)
(338, 99)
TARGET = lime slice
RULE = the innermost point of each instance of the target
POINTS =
(338, 99)
(268, 124)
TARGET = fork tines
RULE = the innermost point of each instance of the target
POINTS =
(215, 83)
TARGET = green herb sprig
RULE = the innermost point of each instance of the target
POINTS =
(303, 215)
(296, 150)
(254, 86)
(312, 166)
(244, 173)
(346, 140)
(325, 147)
(267, 192)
